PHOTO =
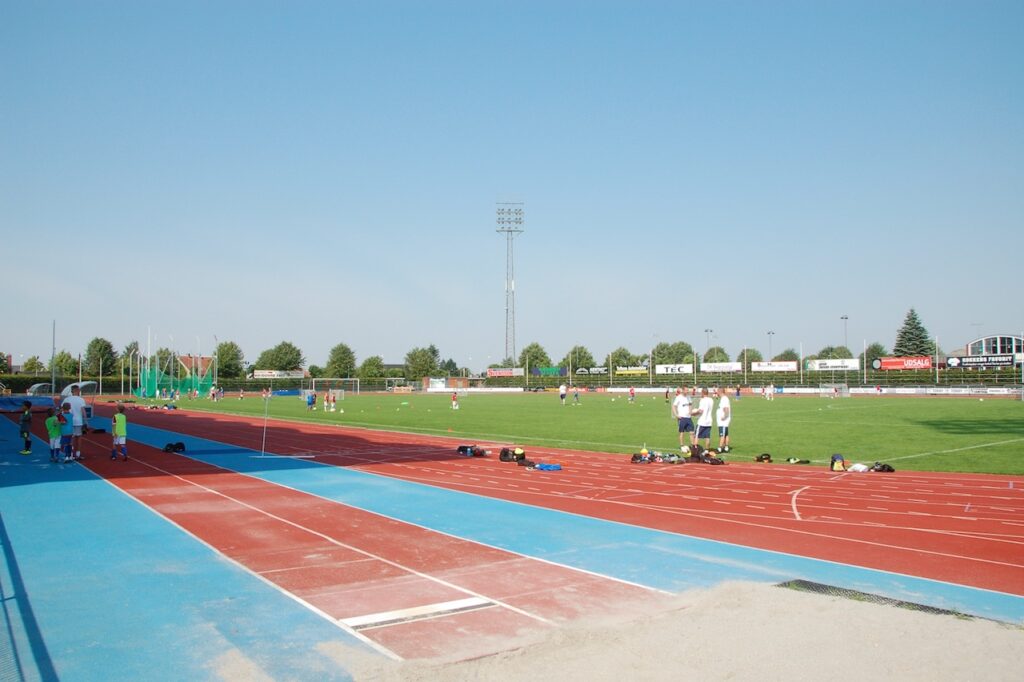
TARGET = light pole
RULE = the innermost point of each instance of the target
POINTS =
(707, 347)
(846, 319)
(770, 335)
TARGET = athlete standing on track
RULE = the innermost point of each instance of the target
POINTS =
(78, 422)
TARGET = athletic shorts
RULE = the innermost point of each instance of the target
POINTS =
(703, 432)
(120, 440)
(55, 443)
(76, 430)
(685, 424)
(723, 431)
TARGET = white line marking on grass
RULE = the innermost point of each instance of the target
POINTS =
(963, 449)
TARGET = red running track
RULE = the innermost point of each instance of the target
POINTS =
(961, 528)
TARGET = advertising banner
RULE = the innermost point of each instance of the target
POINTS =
(505, 372)
(674, 369)
(630, 371)
(979, 361)
(721, 367)
(278, 374)
(834, 364)
(591, 370)
(548, 371)
(910, 362)
(781, 366)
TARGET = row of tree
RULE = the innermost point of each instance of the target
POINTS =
(102, 359)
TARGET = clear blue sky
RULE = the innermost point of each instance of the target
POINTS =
(328, 172)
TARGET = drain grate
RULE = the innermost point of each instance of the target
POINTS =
(856, 595)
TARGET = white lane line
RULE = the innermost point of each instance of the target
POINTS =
(792, 502)
(415, 613)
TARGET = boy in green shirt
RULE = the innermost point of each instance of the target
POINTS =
(119, 431)
(53, 433)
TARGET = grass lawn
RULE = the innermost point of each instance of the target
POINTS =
(925, 434)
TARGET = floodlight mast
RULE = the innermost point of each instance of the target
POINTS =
(510, 222)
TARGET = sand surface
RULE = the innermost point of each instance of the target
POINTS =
(744, 631)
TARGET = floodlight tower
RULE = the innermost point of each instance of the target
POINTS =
(510, 222)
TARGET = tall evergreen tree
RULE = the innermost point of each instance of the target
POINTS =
(912, 338)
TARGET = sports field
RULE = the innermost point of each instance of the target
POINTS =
(922, 434)
(313, 547)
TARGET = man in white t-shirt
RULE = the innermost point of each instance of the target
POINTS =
(681, 413)
(705, 414)
(562, 390)
(723, 417)
(78, 423)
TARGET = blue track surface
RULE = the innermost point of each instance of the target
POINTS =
(84, 564)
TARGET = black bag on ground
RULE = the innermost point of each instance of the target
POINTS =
(764, 457)
(526, 463)
(882, 467)
(505, 455)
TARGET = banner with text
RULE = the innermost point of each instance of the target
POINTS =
(505, 372)
(635, 370)
(833, 364)
(979, 361)
(278, 374)
(548, 371)
(674, 369)
(910, 362)
(721, 367)
(591, 370)
(780, 366)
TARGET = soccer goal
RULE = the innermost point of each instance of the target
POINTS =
(833, 390)
(336, 384)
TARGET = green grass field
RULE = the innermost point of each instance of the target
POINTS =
(924, 434)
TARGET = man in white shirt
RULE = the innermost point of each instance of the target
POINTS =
(724, 417)
(681, 413)
(79, 426)
(705, 416)
(561, 393)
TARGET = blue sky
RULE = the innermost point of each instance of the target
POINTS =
(328, 172)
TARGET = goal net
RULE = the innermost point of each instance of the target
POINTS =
(834, 390)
